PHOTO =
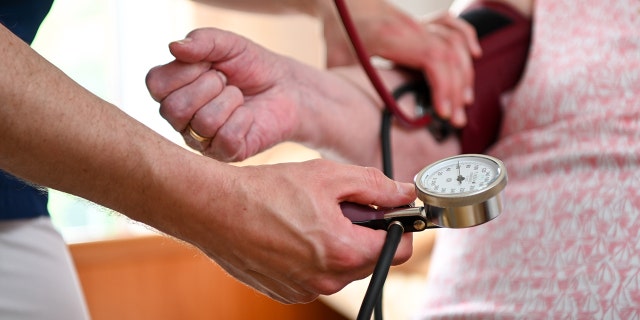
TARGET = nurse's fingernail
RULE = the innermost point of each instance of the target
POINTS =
(468, 95)
(445, 110)
(460, 118)
(405, 188)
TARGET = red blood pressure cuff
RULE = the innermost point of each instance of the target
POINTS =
(505, 35)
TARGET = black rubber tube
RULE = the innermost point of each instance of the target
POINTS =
(380, 272)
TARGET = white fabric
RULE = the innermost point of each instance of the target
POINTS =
(37, 277)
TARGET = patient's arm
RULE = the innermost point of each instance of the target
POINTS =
(265, 98)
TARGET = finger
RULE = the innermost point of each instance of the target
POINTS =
(462, 79)
(465, 38)
(452, 76)
(208, 44)
(371, 186)
(163, 80)
(404, 250)
(371, 243)
(212, 116)
(393, 31)
(462, 68)
(466, 30)
(230, 143)
(228, 122)
(209, 119)
(179, 107)
(441, 80)
(244, 63)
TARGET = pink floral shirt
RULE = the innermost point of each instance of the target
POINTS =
(567, 244)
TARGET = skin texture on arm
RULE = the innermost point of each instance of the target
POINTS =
(267, 98)
(440, 49)
(292, 243)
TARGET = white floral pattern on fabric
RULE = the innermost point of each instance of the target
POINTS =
(567, 244)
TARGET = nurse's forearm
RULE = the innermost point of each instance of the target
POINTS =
(57, 134)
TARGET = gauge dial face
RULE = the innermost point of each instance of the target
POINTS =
(461, 180)
(460, 175)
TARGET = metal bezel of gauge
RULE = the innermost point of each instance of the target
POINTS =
(468, 202)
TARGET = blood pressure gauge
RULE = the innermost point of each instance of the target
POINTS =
(466, 188)
(458, 192)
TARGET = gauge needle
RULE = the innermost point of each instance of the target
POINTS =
(460, 177)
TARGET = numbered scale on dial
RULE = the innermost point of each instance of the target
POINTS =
(466, 187)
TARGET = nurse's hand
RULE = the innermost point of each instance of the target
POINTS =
(292, 242)
(442, 46)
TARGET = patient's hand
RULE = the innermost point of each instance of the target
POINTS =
(227, 89)
(245, 99)
(441, 46)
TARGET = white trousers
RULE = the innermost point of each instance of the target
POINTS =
(37, 276)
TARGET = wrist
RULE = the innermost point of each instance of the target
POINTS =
(178, 196)
(345, 117)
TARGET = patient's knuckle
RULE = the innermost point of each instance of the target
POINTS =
(174, 110)
(230, 146)
(155, 85)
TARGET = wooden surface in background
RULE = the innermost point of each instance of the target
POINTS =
(155, 277)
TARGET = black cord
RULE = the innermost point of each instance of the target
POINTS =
(387, 168)
(385, 141)
(377, 310)
(380, 272)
